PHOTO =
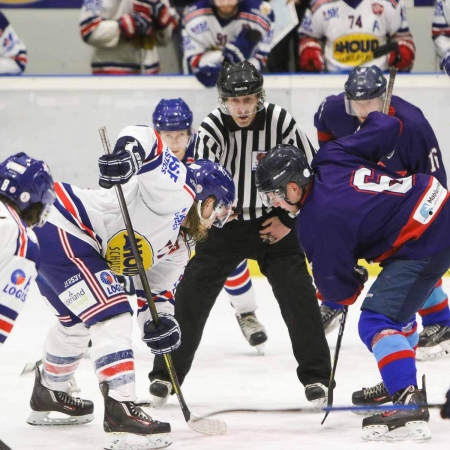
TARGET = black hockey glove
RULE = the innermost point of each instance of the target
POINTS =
(122, 164)
(164, 337)
(361, 272)
(445, 410)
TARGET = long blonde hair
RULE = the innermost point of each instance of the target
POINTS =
(194, 230)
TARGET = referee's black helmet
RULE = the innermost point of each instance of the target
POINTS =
(236, 80)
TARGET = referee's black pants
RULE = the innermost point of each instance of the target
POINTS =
(284, 266)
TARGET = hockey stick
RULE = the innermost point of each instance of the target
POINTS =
(29, 367)
(3, 446)
(309, 410)
(200, 425)
(390, 88)
(385, 49)
(331, 384)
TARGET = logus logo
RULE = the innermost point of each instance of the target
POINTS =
(18, 279)
(109, 283)
(107, 278)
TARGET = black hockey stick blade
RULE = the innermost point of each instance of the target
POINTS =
(3, 446)
(385, 49)
(378, 409)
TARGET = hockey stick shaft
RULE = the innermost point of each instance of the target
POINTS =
(147, 290)
(390, 88)
(385, 49)
(3, 446)
(335, 361)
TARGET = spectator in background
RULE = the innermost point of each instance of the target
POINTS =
(441, 33)
(215, 31)
(126, 34)
(13, 53)
(336, 36)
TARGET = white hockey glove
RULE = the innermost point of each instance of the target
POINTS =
(164, 337)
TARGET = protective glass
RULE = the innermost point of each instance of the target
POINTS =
(362, 108)
(269, 198)
(47, 201)
(242, 107)
(218, 217)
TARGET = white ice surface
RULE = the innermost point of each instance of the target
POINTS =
(227, 373)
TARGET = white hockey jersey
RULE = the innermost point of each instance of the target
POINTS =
(441, 27)
(350, 34)
(19, 258)
(114, 55)
(158, 200)
(205, 34)
(13, 53)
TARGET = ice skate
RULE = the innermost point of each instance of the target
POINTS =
(402, 424)
(373, 396)
(330, 318)
(128, 427)
(64, 409)
(160, 391)
(317, 394)
(253, 331)
(434, 343)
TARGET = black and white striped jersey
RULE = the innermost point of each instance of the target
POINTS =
(239, 150)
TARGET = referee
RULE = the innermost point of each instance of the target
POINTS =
(238, 134)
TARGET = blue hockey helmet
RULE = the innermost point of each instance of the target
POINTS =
(365, 83)
(27, 182)
(172, 115)
(214, 180)
(281, 165)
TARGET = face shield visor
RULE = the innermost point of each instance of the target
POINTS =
(362, 108)
(219, 216)
(242, 108)
(47, 202)
(270, 198)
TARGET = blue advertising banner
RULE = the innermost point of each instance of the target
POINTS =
(67, 4)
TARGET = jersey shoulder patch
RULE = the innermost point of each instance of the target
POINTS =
(316, 4)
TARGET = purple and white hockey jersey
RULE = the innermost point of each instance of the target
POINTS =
(13, 53)
(19, 260)
(357, 209)
(417, 150)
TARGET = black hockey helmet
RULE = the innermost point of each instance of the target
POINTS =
(281, 165)
(365, 83)
(238, 79)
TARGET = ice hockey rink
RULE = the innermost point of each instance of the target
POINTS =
(227, 374)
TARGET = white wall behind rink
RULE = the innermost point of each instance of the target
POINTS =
(57, 118)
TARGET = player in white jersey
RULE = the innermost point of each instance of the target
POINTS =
(125, 34)
(13, 53)
(26, 196)
(441, 33)
(215, 31)
(85, 244)
(338, 35)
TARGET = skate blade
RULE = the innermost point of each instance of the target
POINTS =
(439, 351)
(129, 441)
(42, 418)
(260, 349)
(417, 430)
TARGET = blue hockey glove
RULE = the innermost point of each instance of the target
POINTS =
(135, 24)
(208, 75)
(120, 166)
(361, 272)
(446, 63)
(445, 410)
(164, 337)
(243, 46)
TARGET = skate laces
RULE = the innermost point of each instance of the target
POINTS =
(69, 399)
(250, 323)
(431, 330)
(375, 391)
(136, 411)
(328, 313)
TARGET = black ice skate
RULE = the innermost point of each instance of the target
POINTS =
(160, 391)
(253, 331)
(402, 424)
(317, 394)
(128, 427)
(330, 318)
(372, 396)
(44, 402)
(434, 343)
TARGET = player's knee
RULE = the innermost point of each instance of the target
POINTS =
(370, 325)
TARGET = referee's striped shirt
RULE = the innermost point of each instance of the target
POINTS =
(240, 150)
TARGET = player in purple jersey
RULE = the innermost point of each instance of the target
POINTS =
(362, 210)
(417, 151)
(173, 120)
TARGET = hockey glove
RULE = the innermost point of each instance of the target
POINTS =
(120, 166)
(403, 58)
(310, 56)
(207, 75)
(361, 272)
(445, 410)
(135, 24)
(446, 63)
(242, 47)
(164, 337)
